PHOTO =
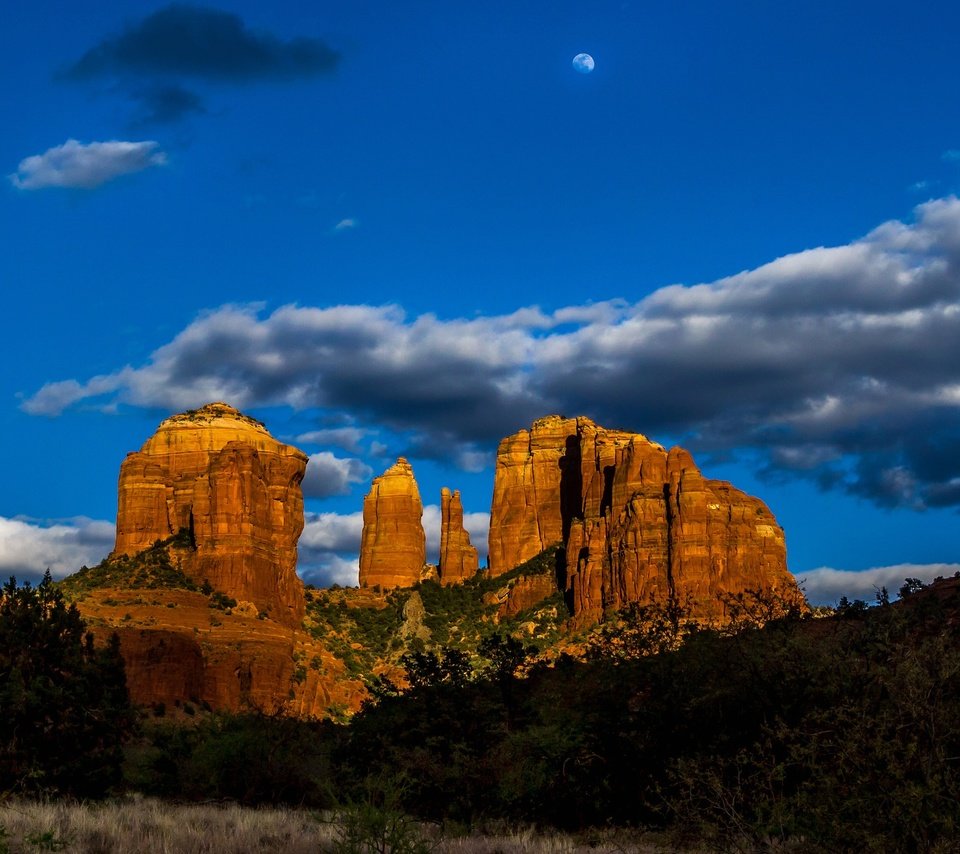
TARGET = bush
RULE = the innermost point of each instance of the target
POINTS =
(63, 702)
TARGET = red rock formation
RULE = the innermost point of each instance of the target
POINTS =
(526, 514)
(393, 546)
(524, 593)
(221, 476)
(179, 650)
(458, 558)
(638, 524)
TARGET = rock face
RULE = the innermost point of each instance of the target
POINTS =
(638, 524)
(222, 477)
(393, 548)
(528, 510)
(178, 650)
(458, 558)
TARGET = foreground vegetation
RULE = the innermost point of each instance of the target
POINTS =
(136, 826)
(779, 732)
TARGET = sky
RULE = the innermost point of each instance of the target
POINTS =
(410, 229)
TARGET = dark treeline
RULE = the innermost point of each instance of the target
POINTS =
(834, 734)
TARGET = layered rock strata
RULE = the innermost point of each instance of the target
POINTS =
(638, 524)
(178, 651)
(220, 476)
(393, 546)
(527, 510)
(458, 558)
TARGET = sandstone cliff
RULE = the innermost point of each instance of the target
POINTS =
(528, 510)
(179, 651)
(220, 476)
(458, 558)
(393, 546)
(638, 524)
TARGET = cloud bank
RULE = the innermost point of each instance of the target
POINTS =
(825, 586)
(204, 43)
(85, 166)
(29, 547)
(837, 364)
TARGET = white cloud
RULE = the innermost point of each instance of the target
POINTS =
(28, 547)
(329, 549)
(346, 224)
(834, 364)
(335, 569)
(331, 532)
(78, 165)
(331, 475)
(826, 585)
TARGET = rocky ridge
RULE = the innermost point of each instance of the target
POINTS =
(637, 523)
(584, 521)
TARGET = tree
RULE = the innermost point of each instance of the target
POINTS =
(63, 701)
(450, 666)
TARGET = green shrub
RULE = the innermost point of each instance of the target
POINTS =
(63, 702)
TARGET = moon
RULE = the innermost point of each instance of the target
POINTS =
(583, 63)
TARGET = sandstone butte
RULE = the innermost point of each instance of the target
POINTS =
(219, 476)
(222, 477)
(458, 558)
(393, 548)
(638, 523)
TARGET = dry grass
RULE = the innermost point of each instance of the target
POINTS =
(139, 826)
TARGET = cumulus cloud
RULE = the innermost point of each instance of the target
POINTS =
(330, 475)
(205, 43)
(335, 569)
(329, 547)
(78, 165)
(837, 364)
(825, 586)
(29, 547)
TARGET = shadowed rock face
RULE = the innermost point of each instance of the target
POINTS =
(221, 476)
(393, 548)
(638, 524)
(458, 558)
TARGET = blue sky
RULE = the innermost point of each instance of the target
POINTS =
(404, 229)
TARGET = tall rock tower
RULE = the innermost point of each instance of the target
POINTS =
(458, 558)
(219, 475)
(393, 548)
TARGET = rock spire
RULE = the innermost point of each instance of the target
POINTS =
(393, 545)
(458, 558)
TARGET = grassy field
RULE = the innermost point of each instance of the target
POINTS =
(137, 826)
